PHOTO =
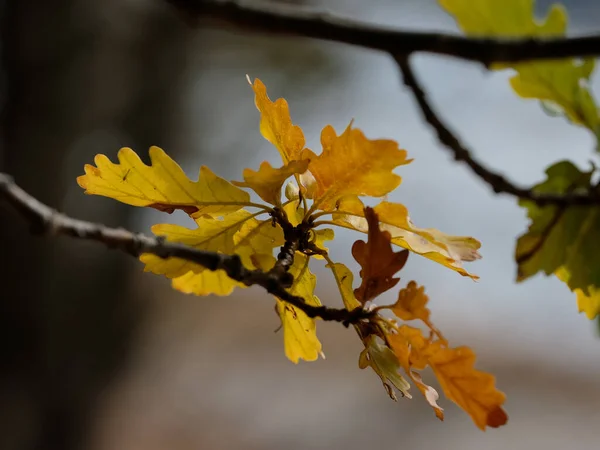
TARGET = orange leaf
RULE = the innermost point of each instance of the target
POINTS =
(377, 260)
(352, 164)
(472, 390)
(411, 350)
(267, 182)
(276, 124)
(412, 303)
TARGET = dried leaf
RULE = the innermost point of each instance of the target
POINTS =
(450, 251)
(377, 260)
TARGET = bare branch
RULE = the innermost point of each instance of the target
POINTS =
(292, 20)
(497, 182)
(45, 220)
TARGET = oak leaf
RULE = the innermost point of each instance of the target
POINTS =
(474, 391)
(561, 83)
(385, 364)
(450, 251)
(319, 238)
(206, 282)
(211, 234)
(344, 279)
(378, 261)
(267, 182)
(299, 330)
(412, 351)
(276, 124)
(236, 233)
(366, 169)
(163, 185)
(412, 303)
(588, 303)
(560, 239)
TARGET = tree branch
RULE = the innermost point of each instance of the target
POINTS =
(497, 182)
(292, 20)
(45, 220)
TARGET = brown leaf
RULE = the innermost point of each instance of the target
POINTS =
(378, 261)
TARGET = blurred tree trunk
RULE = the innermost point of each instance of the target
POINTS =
(72, 70)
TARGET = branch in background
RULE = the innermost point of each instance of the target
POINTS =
(292, 20)
(497, 182)
(44, 220)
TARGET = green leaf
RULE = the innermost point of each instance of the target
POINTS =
(562, 240)
(385, 364)
(560, 84)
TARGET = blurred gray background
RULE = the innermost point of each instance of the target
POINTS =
(97, 354)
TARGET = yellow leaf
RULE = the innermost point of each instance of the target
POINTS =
(412, 303)
(267, 182)
(351, 164)
(471, 389)
(255, 241)
(237, 233)
(450, 251)
(562, 82)
(212, 234)
(384, 363)
(587, 303)
(294, 212)
(320, 236)
(299, 330)
(276, 124)
(162, 185)
(344, 278)
(206, 282)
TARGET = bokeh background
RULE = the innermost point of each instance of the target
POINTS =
(96, 354)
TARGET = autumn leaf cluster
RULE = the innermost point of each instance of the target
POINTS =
(301, 201)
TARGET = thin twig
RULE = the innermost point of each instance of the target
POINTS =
(497, 182)
(45, 220)
(292, 20)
